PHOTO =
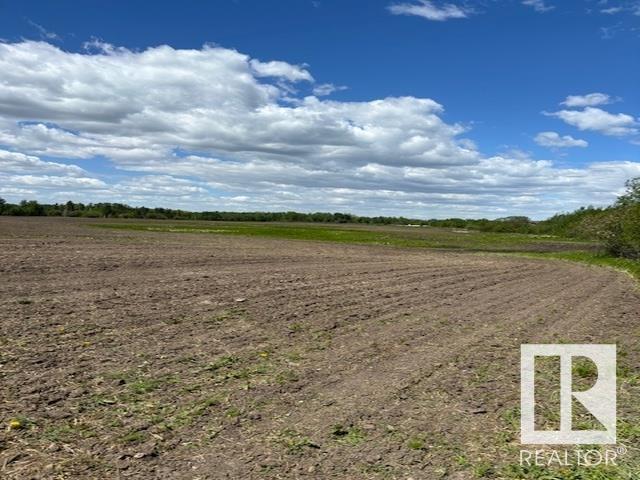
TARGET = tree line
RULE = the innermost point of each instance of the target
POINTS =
(119, 210)
(617, 226)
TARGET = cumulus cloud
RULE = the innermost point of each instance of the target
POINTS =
(118, 103)
(539, 6)
(216, 129)
(598, 120)
(24, 175)
(554, 140)
(430, 11)
(293, 73)
(15, 162)
(590, 100)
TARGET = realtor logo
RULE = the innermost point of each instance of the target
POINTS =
(599, 400)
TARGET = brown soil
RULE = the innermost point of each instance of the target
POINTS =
(192, 356)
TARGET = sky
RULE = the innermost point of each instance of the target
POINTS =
(425, 109)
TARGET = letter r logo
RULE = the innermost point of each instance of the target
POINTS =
(599, 400)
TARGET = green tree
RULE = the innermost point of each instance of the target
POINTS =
(632, 196)
(622, 228)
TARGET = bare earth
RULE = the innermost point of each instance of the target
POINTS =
(197, 356)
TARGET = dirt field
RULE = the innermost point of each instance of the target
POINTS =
(197, 356)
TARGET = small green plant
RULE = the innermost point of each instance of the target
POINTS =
(222, 362)
(483, 470)
(416, 443)
(294, 357)
(68, 433)
(226, 315)
(145, 385)
(511, 417)
(584, 368)
(348, 435)
(296, 327)
(133, 437)
(287, 376)
(294, 442)
(233, 412)
(19, 423)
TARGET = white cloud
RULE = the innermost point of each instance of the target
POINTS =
(538, 5)
(51, 182)
(44, 33)
(631, 6)
(15, 162)
(293, 73)
(124, 104)
(598, 120)
(214, 129)
(590, 100)
(554, 140)
(327, 89)
(430, 11)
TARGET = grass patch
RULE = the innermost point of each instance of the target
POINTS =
(584, 368)
(294, 442)
(416, 443)
(426, 237)
(631, 267)
(134, 437)
(61, 433)
(19, 423)
(348, 435)
(146, 385)
(287, 376)
(483, 470)
(226, 315)
(396, 236)
(222, 362)
(186, 415)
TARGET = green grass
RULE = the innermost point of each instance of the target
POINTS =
(416, 443)
(426, 237)
(134, 437)
(350, 435)
(222, 362)
(145, 385)
(406, 237)
(631, 267)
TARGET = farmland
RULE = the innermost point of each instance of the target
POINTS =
(205, 350)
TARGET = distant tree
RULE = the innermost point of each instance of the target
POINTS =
(3, 202)
(31, 208)
(621, 232)
(632, 196)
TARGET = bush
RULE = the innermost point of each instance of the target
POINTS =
(622, 232)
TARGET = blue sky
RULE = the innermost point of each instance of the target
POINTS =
(427, 109)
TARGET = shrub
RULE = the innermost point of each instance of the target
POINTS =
(622, 232)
